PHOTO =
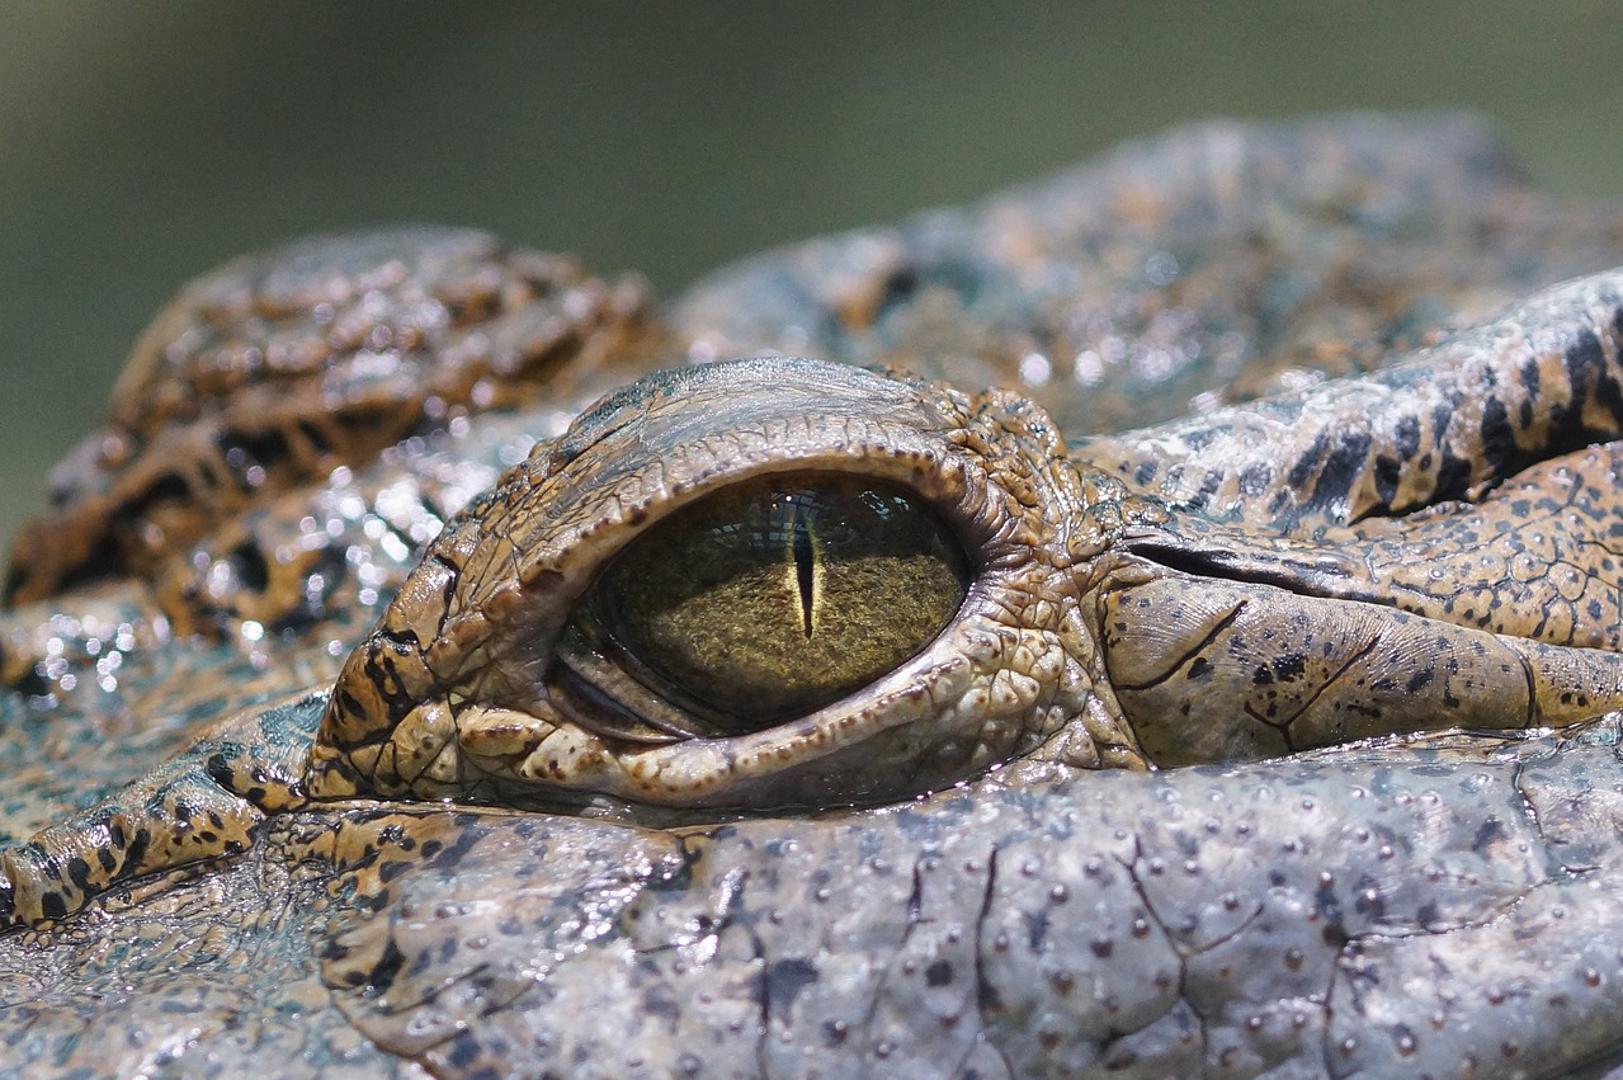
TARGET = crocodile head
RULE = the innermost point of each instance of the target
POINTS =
(897, 571)
(762, 719)
(691, 600)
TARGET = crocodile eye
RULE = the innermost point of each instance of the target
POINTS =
(763, 602)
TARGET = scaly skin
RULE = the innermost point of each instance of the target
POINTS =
(1422, 548)
(1093, 625)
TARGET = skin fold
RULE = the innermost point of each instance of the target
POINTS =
(1271, 739)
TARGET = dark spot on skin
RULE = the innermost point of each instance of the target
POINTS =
(938, 973)
(252, 569)
(1453, 477)
(1202, 438)
(786, 978)
(1498, 440)
(453, 854)
(53, 907)
(1530, 377)
(1341, 468)
(219, 770)
(79, 873)
(1200, 667)
(138, 848)
(1585, 365)
(1289, 666)
(1036, 928)
(1418, 680)
(1328, 905)
(1307, 462)
(1388, 473)
(1406, 437)
(393, 869)
(1370, 902)
(1490, 830)
(464, 1049)
(1144, 474)
(1441, 415)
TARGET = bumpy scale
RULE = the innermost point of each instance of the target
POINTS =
(930, 874)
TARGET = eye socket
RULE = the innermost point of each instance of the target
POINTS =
(763, 602)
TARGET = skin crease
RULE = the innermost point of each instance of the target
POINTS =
(1275, 615)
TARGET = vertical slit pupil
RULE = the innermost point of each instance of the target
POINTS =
(805, 564)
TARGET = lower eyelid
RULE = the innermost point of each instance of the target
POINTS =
(610, 702)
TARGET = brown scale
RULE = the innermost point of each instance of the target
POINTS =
(1425, 547)
(275, 370)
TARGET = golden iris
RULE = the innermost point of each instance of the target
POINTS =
(777, 596)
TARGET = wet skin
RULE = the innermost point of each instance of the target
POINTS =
(1272, 738)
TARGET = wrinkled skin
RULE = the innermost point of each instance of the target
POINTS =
(1298, 600)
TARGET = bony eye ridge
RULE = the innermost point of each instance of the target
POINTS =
(764, 602)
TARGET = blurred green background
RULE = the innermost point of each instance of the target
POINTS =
(142, 144)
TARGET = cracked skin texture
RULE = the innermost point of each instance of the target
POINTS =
(228, 851)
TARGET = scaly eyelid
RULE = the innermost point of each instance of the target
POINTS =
(951, 483)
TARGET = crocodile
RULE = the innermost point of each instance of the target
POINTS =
(444, 661)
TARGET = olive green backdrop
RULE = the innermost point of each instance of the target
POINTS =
(142, 143)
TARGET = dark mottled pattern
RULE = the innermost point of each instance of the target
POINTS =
(1426, 547)
(272, 371)
(1540, 379)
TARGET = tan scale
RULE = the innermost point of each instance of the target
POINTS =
(327, 749)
